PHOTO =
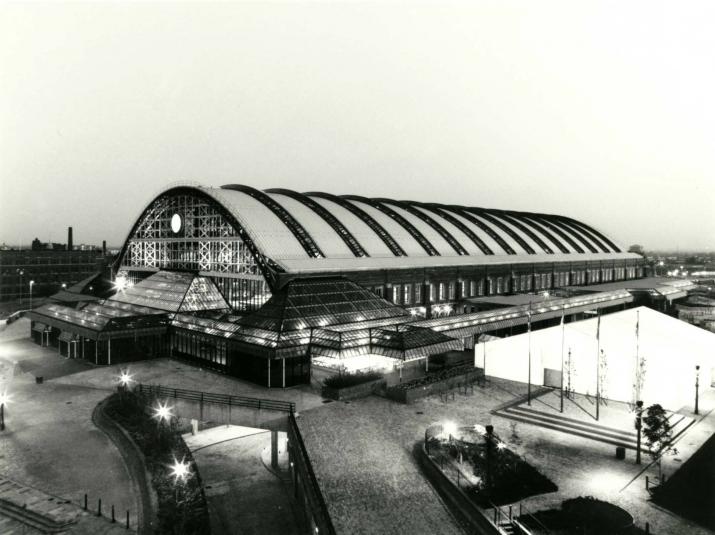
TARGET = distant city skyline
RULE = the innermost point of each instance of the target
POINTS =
(598, 111)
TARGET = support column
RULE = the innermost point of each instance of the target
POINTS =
(109, 351)
(274, 449)
(96, 351)
(269, 372)
(283, 364)
(427, 363)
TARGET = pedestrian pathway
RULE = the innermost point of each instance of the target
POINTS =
(243, 496)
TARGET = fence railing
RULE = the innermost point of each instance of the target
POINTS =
(221, 399)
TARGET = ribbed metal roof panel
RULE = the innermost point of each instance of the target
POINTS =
(460, 236)
(324, 235)
(273, 238)
(406, 241)
(432, 236)
(364, 234)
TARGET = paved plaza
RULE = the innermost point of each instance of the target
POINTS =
(362, 455)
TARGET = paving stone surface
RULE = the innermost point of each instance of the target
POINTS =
(362, 455)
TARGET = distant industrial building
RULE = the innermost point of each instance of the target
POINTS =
(47, 268)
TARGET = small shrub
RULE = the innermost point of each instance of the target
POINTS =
(344, 380)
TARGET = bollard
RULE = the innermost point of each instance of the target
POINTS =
(458, 485)
(510, 513)
(646, 482)
(85, 502)
(99, 508)
(647, 528)
(127, 520)
(113, 514)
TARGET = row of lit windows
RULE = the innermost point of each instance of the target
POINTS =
(410, 293)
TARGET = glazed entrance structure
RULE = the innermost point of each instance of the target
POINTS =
(259, 284)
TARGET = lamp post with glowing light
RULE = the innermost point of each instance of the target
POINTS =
(125, 379)
(32, 283)
(489, 444)
(4, 398)
(181, 470)
(697, 387)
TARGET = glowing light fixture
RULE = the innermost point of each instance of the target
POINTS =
(125, 378)
(176, 223)
(449, 428)
(163, 412)
(180, 470)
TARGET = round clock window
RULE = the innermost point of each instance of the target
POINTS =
(176, 223)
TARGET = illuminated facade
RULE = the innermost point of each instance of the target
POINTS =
(264, 284)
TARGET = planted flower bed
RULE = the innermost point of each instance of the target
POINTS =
(346, 386)
(481, 464)
(433, 383)
(182, 508)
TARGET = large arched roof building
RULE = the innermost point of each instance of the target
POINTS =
(267, 284)
(254, 241)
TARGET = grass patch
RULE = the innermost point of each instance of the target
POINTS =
(182, 506)
(344, 380)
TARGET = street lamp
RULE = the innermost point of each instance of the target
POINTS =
(697, 386)
(32, 283)
(21, 272)
(124, 379)
(4, 398)
(181, 470)
(163, 412)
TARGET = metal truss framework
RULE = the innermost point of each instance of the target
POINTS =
(517, 217)
(409, 227)
(302, 235)
(209, 240)
(366, 218)
(347, 237)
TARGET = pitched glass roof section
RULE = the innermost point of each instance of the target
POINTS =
(329, 218)
(306, 303)
(203, 295)
(305, 239)
(409, 227)
(449, 238)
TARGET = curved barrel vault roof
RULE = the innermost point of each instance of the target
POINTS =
(321, 232)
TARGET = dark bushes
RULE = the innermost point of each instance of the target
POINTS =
(344, 380)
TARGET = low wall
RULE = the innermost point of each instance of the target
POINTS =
(459, 503)
(136, 466)
(408, 395)
(353, 392)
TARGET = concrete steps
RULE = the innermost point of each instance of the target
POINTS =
(586, 429)
(36, 509)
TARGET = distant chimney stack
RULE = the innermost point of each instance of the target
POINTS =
(69, 238)
(104, 247)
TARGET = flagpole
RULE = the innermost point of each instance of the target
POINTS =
(528, 395)
(598, 365)
(638, 371)
(563, 328)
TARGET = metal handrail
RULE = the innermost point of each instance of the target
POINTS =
(523, 508)
(223, 399)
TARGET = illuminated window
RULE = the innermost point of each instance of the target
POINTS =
(462, 288)
(432, 293)
(481, 287)
(500, 285)
(441, 291)
(418, 293)
(396, 293)
(452, 290)
(472, 288)
(407, 294)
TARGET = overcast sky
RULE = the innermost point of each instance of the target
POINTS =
(603, 111)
